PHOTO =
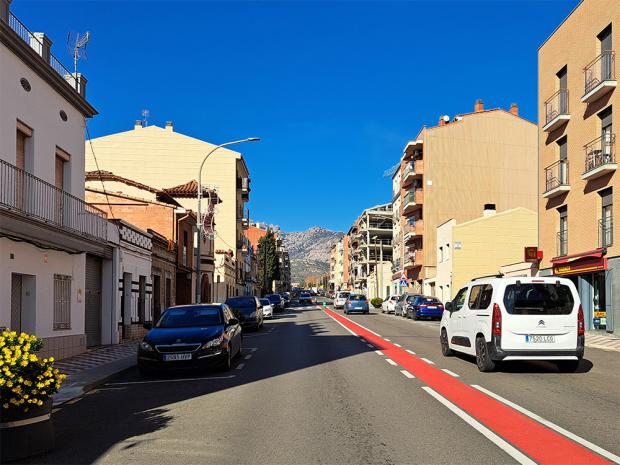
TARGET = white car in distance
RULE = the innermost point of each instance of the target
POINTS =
(267, 308)
(388, 304)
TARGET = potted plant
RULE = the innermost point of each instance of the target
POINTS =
(27, 384)
(376, 302)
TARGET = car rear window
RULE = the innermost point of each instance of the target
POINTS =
(343, 295)
(265, 302)
(538, 299)
(241, 302)
(427, 300)
(357, 297)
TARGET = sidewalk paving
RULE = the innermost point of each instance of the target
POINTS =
(602, 341)
(92, 368)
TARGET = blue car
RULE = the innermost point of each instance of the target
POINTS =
(356, 303)
(425, 307)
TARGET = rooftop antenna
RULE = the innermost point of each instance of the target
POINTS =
(145, 116)
(77, 43)
(390, 171)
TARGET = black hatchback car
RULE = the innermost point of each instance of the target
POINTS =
(191, 336)
(248, 310)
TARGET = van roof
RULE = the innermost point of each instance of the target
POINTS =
(522, 279)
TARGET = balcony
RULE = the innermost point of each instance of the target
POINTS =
(600, 157)
(408, 172)
(412, 231)
(413, 200)
(562, 243)
(605, 232)
(600, 77)
(243, 184)
(414, 258)
(556, 179)
(29, 197)
(245, 223)
(556, 110)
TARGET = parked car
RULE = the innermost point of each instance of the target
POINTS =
(286, 297)
(400, 307)
(267, 308)
(191, 336)
(425, 307)
(504, 319)
(305, 298)
(388, 304)
(277, 301)
(248, 311)
(341, 299)
(356, 303)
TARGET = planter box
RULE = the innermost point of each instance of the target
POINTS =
(26, 434)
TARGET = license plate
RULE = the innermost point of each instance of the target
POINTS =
(535, 338)
(358, 308)
(432, 308)
(175, 357)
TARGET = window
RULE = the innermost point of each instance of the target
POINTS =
(480, 297)
(606, 54)
(606, 135)
(142, 298)
(563, 234)
(440, 254)
(563, 169)
(607, 224)
(185, 241)
(447, 255)
(538, 299)
(62, 301)
(459, 300)
(562, 103)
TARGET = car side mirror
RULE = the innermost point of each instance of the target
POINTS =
(148, 326)
(448, 306)
(233, 321)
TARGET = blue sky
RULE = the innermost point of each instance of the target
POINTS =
(334, 89)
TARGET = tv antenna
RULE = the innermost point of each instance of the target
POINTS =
(145, 116)
(390, 171)
(77, 43)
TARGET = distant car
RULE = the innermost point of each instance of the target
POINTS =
(286, 298)
(248, 311)
(305, 298)
(388, 304)
(341, 299)
(356, 303)
(400, 307)
(191, 336)
(267, 308)
(276, 301)
(425, 307)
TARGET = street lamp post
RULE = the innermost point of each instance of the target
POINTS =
(200, 225)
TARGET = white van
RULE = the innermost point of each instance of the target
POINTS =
(503, 319)
(341, 299)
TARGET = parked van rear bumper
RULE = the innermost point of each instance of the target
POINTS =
(497, 353)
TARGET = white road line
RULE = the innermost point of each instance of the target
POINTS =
(240, 366)
(451, 373)
(176, 380)
(486, 432)
(386, 339)
(247, 357)
(342, 325)
(378, 352)
(407, 374)
(371, 346)
(430, 362)
(390, 361)
(397, 345)
(361, 326)
(410, 351)
(553, 426)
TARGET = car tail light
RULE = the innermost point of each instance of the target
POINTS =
(581, 325)
(496, 323)
(423, 306)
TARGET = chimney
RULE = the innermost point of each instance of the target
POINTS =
(489, 210)
(514, 109)
(443, 120)
(138, 124)
(41, 44)
(169, 126)
(479, 106)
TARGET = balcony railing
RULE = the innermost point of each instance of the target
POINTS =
(562, 243)
(556, 107)
(599, 70)
(30, 196)
(600, 152)
(556, 177)
(606, 232)
(33, 41)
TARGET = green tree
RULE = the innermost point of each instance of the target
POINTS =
(268, 268)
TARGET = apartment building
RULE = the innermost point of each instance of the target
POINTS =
(578, 183)
(398, 222)
(336, 266)
(53, 246)
(168, 158)
(450, 171)
(370, 244)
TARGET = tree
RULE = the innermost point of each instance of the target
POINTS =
(268, 267)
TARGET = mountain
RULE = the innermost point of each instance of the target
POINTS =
(309, 251)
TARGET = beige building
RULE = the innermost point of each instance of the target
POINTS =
(336, 266)
(380, 281)
(480, 247)
(578, 183)
(450, 171)
(167, 158)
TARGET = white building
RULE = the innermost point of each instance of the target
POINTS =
(54, 253)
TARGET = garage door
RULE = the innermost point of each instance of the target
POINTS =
(93, 301)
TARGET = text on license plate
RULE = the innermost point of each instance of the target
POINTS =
(174, 357)
(358, 308)
(536, 338)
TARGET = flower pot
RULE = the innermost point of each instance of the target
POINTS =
(25, 434)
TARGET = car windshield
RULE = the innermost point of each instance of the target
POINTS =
(186, 317)
(538, 299)
(358, 297)
(265, 302)
(243, 305)
(343, 295)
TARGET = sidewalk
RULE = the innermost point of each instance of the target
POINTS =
(93, 367)
(601, 341)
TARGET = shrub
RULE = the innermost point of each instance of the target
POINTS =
(376, 302)
(25, 379)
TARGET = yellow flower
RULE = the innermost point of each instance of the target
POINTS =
(39, 403)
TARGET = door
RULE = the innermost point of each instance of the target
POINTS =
(156, 297)
(455, 326)
(476, 312)
(16, 302)
(92, 323)
(606, 54)
(606, 136)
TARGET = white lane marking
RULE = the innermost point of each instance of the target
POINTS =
(410, 351)
(378, 352)
(390, 361)
(371, 346)
(451, 373)
(356, 323)
(490, 435)
(407, 374)
(553, 426)
(397, 345)
(247, 357)
(176, 380)
(240, 366)
(342, 325)
(387, 339)
(430, 362)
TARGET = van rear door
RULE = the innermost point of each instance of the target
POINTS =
(539, 315)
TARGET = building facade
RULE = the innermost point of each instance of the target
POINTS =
(578, 183)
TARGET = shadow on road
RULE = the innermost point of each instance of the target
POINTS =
(530, 366)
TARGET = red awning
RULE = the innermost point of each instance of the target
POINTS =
(597, 253)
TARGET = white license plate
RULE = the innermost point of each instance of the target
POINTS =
(432, 308)
(175, 357)
(536, 338)
(359, 308)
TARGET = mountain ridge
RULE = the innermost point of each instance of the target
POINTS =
(309, 251)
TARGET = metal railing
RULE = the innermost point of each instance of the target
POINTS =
(562, 243)
(556, 105)
(606, 232)
(33, 41)
(26, 194)
(600, 152)
(599, 70)
(556, 175)
(409, 198)
(384, 225)
(408, 169)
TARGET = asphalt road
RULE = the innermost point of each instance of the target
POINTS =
(310, 390)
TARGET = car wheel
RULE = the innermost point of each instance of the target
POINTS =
(445, 347)
(346, 313)
(568, 366)
(483, 358)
